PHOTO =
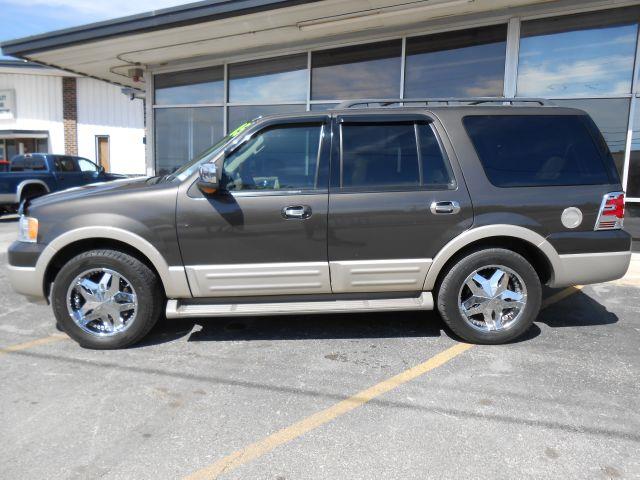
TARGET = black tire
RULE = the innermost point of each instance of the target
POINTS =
(453, 280)
(30, 193)
(150, 297)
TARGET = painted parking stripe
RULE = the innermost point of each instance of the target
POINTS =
(287, 434)
(56, 337)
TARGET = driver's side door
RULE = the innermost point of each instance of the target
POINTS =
(265, 232)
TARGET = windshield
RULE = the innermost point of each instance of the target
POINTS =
(191, 167)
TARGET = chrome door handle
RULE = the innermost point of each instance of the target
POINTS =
(445, 208)
(299, 212)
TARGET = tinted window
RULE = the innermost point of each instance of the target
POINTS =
(182, 133)
(467, 63)
(379, 155)
(245, 113)
(282, 79)
(204, 85)
(436, 172)
(28, 164)
(578, 55)
(281, 158)
(65, 164)
(540, 150)
(363, 71)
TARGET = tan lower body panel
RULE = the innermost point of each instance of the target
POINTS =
(404, 275)
(259, 279)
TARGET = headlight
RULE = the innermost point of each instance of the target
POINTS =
(28, 229)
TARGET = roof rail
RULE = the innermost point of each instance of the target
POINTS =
(388, 102)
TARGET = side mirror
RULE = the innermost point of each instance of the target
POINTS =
(209, 182)
(100, 169)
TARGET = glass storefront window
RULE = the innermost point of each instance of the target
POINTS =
(612, 118)
(362, 71)
(578, 55)
(467, 63)
(243, 113)
(190, 87)
(282, 79)
(633, 183)
(182, 133)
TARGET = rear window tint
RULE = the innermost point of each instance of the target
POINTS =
(28, 164)
(540, 150)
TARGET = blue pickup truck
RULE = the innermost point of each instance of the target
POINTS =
(36, 174)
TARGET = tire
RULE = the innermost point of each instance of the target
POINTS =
(137, 285)
(483, 327)
(32, 192)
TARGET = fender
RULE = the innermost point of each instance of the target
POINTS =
(26, 183)
(483, 233)
(174, 278)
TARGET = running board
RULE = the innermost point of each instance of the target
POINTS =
(175, 309)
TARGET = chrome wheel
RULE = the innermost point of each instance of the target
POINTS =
(102, 302)
(492, 298)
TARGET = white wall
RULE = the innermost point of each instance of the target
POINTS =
(104, 110)
(38, 106)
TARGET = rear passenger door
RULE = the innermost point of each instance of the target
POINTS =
(397, 197)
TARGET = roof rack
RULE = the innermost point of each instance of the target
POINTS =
(389, 102)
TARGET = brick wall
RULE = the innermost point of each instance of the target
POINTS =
(70, 115)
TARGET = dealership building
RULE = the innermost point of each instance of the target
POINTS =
(48, 110)
(206, 67)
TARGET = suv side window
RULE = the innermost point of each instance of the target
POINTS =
(284, 157)
(388, 155)
(539, 150)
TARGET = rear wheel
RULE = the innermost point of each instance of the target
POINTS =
(32, 191)
(491, 296)
(105, 299)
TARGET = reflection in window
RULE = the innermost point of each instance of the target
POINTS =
(240, 114)
(612, 118)
(633, 183)
(281, 158)
(182, 133)
(363, 71)
(282, 79)
(578, 55)
(379, 155)
(468, 63)
(190, 87)
(436, 172)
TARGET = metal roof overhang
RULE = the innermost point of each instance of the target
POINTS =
(225, 29)
(13, 134)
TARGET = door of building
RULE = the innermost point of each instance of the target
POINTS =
(102, 147)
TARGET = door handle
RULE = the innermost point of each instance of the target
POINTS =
(299, 212)
(445, 208)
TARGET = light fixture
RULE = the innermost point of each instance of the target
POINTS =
(380, 13)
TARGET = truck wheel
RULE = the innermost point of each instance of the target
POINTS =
(490, 297)
(105, 299)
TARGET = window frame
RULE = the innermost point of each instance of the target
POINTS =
(322, 165)
(337, 184)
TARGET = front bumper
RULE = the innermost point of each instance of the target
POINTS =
(24, 276)
(587, 268)
(26, 281)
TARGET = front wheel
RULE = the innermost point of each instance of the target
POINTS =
(491, 296)
(105, 299)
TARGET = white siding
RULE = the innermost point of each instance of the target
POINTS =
(38, 106)
(104, 110)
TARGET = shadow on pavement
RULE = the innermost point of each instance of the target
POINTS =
(305, 327)
(578, 310)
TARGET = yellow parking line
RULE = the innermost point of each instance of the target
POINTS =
(56, 337)
(561, 295)
(287, 434)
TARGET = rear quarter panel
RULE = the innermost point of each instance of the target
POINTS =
(536, 208)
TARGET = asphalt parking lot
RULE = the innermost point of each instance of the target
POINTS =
(390, 396)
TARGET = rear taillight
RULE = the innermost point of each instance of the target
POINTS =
(611, 216)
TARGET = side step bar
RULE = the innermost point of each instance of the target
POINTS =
(176, 309)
